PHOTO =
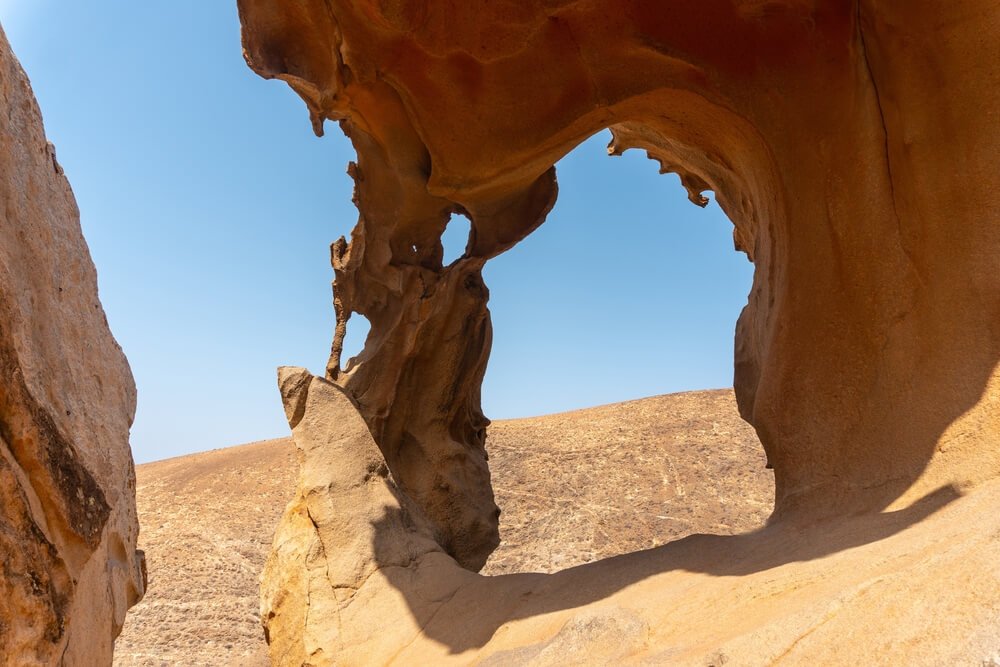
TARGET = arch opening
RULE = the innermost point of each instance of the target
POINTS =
(358, 328)
(625, 298)
(859, 374)
(455, 238)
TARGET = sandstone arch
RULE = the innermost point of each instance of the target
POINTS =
(840, 137)
(863, 338)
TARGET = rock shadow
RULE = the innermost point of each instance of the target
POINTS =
(469, 616)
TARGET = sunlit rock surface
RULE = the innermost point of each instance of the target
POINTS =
(356, 578)
(68, 524)
(854, 145)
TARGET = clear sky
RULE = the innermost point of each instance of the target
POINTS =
(209, 207)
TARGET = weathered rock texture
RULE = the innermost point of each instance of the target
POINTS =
(68, 525)
(356, 578)
(853, 144)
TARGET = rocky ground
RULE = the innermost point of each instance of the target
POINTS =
(574, 487)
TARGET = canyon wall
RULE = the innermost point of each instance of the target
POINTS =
(68, 525)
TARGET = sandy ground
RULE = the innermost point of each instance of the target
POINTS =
(574, 487)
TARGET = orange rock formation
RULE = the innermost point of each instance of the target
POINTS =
(854, 145)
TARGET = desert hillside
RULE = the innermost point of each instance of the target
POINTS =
(574, 487)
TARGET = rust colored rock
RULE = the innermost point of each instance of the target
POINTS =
(68, 527)
(852, 144)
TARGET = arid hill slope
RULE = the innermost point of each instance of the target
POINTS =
(574, 487)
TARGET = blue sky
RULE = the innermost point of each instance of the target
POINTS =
(209, 207)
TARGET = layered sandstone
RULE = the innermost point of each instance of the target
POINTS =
(841, 137)
(68, 524)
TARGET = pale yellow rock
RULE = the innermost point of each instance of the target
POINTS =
(68, 524)
(355, 580)
(328, 568)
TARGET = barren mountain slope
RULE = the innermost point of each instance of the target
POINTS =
(584, 485)
(574, 487)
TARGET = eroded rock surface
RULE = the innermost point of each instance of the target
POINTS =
(68, 524)
(842, 138)
(356, 578)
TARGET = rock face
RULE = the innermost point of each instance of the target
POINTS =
(68, 525)
(324, 555)
(839, 136)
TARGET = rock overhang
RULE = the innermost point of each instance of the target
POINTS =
(867, 352)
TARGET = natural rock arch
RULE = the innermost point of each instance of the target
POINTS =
(821, 124)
